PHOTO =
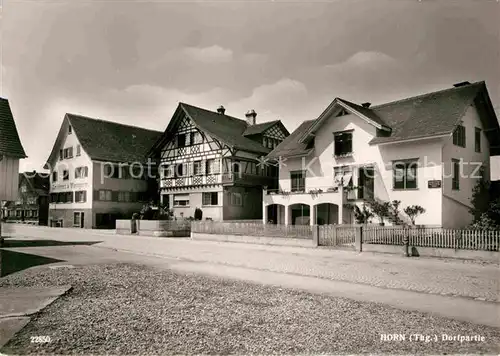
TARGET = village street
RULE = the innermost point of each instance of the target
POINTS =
(442, 289)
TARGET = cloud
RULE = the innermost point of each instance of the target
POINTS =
(214, 54)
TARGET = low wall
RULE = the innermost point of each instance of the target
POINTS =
(123, 227)
(160, 228)
(277, 241)
(490, 256)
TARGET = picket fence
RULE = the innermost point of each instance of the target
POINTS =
(253, 229)
(435, 237)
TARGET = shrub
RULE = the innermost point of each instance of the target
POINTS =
(380, 209)
(363, 215)
(413, 212)
(394, 212)
(198, 214)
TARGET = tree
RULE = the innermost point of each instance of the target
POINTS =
(380, 209)
(394, 212)
(363, 215)
(481, 197)
(413, 212)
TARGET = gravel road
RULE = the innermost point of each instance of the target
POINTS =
(130, 309)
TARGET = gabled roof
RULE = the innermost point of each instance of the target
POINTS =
(108, 141)
(427, 115)
(259, 128)
(10, 144)
(39, 182)
(423, 116)
(226, 129)
(291, 146)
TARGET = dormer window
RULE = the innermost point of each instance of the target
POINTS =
(459, 136)
(342, 143)
(70, 130)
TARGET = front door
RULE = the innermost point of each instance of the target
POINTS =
(366, 183)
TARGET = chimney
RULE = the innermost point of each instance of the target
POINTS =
(251, 115)
(461, 84)
(221, 110)
(366, 105)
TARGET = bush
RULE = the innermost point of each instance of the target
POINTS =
(363, 215)
(413, 212)
(198, 214)
(380, 209)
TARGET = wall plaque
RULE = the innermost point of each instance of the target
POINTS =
(434, 184)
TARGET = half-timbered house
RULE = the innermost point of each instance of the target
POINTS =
(213, 161)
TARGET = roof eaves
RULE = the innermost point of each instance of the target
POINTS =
(389, 140)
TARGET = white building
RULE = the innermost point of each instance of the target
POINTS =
(97, 172)
(424, 150)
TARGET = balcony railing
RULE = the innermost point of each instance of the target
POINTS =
(191, 181)
(249, 179)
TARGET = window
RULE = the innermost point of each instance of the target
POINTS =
(236, 167)
(70, 129)
(61, 155)
(212, 166)
(197, 168)
(181, 200)
(210, 198)
(455, 179)
(459, 136)
(196, 138)
(165, 200)
(137, 171)
(236, 199)
(124, 196)
(342, 143)
(76, 218)
(27, 213)
(298, 181)
(78, 150)
(18, 213)
(80, 196)
(23, 189)
(105, 195)
(405, 174)
(264, 142)
(181, 170)
(54, 176)
(181, 140)
(68, 152)
(34, 213)
(168, 171)
(342, 175)
(81, 172)
(477, 139)
(65, 174)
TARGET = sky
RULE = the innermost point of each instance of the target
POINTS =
(133, 61)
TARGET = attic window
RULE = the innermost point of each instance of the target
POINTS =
(342, 112)
(342, 143)
(70, 130)
(459, 136)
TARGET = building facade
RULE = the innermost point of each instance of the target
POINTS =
(11, 151)
(32, 205)
(213, 161)
(98, 172)
(426, 150)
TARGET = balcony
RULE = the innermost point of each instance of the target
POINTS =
(248, 179)
(190, 181)
(311, 197)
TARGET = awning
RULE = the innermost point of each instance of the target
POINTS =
(347, 179)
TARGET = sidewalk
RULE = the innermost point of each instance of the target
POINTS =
(424, 275)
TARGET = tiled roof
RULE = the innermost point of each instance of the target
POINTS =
(39, 182)
(225, 128)
(426, 115)
(10, 144)
(111, 141)
(259, 128)
(291, 145)
(422, 116)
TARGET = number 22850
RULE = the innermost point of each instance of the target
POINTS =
(40, 339)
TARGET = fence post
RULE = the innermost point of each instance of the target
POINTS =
(359, 238)
(315, 235)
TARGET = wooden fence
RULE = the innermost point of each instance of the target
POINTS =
(343, 236)
(253, 229)
(433, 237)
